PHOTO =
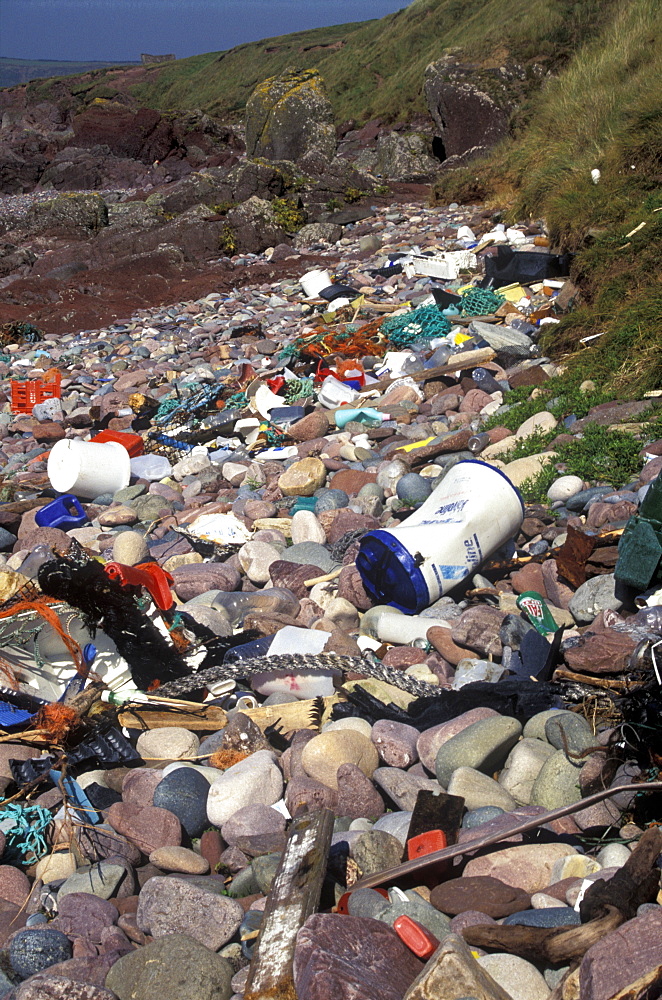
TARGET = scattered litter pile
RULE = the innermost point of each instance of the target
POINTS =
(299, 698)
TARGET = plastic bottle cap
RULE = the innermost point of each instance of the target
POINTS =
(417, 938)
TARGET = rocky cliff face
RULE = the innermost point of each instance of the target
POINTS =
(471, 104)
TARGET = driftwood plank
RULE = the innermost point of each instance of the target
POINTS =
(207, 718)
(294, 896)
(290, 716)
(544, 944)
(465, 359)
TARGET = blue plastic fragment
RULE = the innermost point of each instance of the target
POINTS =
(78, 800)
(12, 716)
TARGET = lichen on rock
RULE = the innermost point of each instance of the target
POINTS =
(289, 117)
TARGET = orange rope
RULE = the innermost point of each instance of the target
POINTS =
(43, 609)
(56, 721)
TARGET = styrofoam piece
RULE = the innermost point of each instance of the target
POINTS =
(265, 400)
(226, 529)
(87, 469)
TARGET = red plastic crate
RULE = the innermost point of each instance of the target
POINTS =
(24, 395)
(133, 443)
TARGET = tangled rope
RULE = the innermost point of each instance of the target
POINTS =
(294, 663)
(298, 388)
(481, 301)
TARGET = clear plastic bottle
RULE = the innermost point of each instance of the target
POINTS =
(274, 600)
(35, 560)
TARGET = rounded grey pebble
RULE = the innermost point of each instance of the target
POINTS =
(413, 489)
(330, 499)
(476, 817)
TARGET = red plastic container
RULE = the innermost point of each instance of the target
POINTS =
(24, 395)
(417, 938)
(426, 843)
(133, 443)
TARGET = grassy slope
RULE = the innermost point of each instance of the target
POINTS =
(376, 68)
(604, 111)
(600, 106)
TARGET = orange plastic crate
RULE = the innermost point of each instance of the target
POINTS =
(24, 395)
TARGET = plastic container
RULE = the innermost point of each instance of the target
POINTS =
(478, 442)
(133, 443)
(364, 415)
(333, 393)
(65, 512)
(274, 600)
(387, 625)
(24, 395)
(88, 470)
(314, 281)
(150, 467)
(473, 511)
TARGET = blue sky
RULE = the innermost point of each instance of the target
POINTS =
(122, 29)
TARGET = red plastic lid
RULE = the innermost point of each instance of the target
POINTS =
(417, 938)
(426, 843)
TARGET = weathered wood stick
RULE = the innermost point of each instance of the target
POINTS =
(391, 875)
(543, 944)
(637, 882)
(294, 896)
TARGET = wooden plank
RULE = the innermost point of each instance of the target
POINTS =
(466, 359)
(209, 717)
(294, 896)
(292, 715)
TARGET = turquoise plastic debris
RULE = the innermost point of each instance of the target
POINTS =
(303, 503)
(364, 415)
(24, 827)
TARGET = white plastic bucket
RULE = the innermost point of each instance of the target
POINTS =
(314, 281)
(473, 511)
(87, 469)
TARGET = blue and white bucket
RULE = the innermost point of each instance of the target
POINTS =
(472, 513)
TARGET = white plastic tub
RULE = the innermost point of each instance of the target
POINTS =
(87, 469)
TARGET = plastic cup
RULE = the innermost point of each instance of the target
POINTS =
(87, 469)
(314, 281)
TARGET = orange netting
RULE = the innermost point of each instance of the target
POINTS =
(41, 606)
